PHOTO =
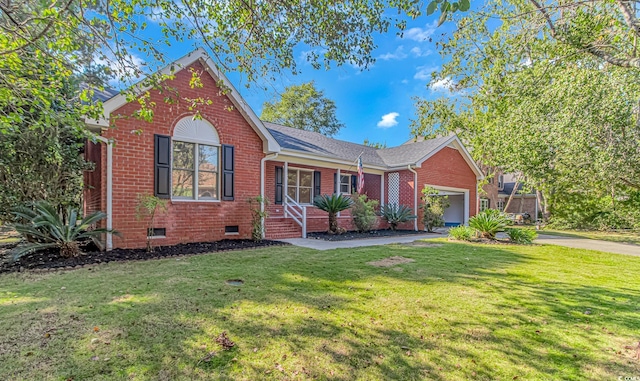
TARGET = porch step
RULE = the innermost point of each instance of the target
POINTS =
(281, 228)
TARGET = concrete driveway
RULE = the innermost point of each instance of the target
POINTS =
(591, 244)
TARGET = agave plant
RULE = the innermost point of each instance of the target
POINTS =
(333, 204)
(396, 214)
(44, 228)
(488, 223)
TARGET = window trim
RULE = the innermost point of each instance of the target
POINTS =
(340, 183)
(297, 198)
(500, 182)
(196, 171)
(500, 202)
(482, 201)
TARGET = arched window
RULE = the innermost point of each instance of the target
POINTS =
(195, 160)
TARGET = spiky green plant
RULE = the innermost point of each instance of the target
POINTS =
(396, 214)
(521, 236)
(462, 233)
(488, 223)
(44, 228)
(332, 204)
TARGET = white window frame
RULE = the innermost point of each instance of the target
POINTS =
(196, 172)
(500, 182)
(340, 183)
(500, 205)
(484, 201)
(297, 186)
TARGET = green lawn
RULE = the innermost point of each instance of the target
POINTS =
(611, 236)
(460, 311)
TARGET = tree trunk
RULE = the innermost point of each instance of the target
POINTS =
(513, 193)
(333, 223)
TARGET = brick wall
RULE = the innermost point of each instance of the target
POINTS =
(448, 168)
(133, 167)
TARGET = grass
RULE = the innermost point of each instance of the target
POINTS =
(611, 236)
(460, 311)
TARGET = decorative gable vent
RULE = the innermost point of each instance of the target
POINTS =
(394, 188)
(195, 131)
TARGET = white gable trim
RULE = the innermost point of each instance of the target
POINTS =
(269, 142)
(454, 142)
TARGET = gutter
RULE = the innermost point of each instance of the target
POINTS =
(415, 196)
(109, 143)
(262, 183)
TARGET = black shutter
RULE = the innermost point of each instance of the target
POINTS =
(316, 184)
(336, 185)
(162, 166)
(279, 178)
(354, 183)
(227, 172)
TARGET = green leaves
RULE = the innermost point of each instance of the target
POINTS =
(303, 107)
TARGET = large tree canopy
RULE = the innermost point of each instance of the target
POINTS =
(539, 96)
(303, 107)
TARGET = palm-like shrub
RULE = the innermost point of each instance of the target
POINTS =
(488, 223)
(332, 204)
(396, 214)
(44, 228)
(462, 233)
(521, 236)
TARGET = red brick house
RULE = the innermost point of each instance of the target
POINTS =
(208, 168)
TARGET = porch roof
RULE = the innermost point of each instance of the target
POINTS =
(317, 144)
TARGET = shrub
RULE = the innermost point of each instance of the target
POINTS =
(333, 204)
(488, 223)
(462, 233)
(396, 214)
(147, 206)
(433, 208)
(521, 236)
(363, 212)
(44, 228)
(257, 216)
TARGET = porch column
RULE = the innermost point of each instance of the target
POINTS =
(285, 183)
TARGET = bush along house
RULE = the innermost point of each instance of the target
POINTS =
(208, 166)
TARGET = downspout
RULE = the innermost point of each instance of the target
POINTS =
(415, 196)
(109, 143)
(262, 184)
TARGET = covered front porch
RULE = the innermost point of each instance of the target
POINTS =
(291, 184)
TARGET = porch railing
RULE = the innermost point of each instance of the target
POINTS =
(297, 212)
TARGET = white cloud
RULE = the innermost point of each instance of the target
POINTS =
(417, 52)
(445, 85)
(388, 120)
(399, 54)
(423, 73)
(405, 81)
(421, 34)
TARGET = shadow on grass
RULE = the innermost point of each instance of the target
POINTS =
(458, 311)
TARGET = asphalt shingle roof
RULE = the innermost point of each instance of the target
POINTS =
(318, 144)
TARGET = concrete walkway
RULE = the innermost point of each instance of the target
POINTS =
(591, 244)
(320, 244)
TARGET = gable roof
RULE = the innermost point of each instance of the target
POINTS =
(276, 137)
(113, 103)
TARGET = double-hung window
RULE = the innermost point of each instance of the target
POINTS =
(195, 171)
(345, 184)
(300, 185)
(484, 204)
(500, 205)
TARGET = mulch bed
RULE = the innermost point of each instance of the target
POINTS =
(356, 235)
(51, 259)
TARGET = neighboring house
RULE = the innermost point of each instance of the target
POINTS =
(208, 168)
(498, 189)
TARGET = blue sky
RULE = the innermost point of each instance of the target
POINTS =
(376, 103)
